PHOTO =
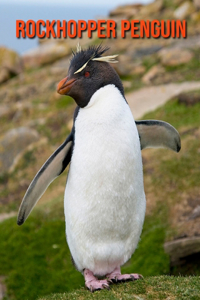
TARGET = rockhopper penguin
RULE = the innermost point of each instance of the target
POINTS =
(104, 199)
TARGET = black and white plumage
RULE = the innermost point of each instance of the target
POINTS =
(104, 196)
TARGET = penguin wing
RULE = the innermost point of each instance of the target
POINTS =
(51, 169)
(158, 134)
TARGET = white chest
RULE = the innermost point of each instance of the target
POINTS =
(104, 198)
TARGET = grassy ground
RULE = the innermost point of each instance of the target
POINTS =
(162, 287)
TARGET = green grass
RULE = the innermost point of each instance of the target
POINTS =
(64, 102)
(29, 157)
(35, 258)
(154, 288)
(177, 114)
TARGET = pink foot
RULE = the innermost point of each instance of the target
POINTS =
(116, 276)
(92, 283)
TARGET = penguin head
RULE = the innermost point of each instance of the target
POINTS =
(88, 72)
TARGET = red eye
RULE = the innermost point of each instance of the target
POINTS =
(87, 74)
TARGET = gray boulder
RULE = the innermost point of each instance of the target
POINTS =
(13, 144)
(45, 54)
(174, 56)
(182, 248)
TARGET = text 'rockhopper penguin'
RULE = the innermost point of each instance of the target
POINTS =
(104, 199)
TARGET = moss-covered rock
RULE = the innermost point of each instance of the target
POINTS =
(10, 64)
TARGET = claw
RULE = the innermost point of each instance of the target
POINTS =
(110, 281)
(117, 277)
(91, 289)
(136, 276)
(105, 286)
(114, 279)
(92, 283)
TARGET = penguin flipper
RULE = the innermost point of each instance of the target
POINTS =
(158, 134)
(51, 169)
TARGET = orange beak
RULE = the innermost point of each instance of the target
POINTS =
(65, 85)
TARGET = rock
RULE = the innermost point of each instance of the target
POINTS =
(195, 213)
(45, 54)
(182, 248)
(141, 52)
(191, 42)
(138, 69)
(184, 10)
(4, 74)
(152, 73)
(151, 9)
(4, 110)
(190, 98)
(59, 66)
(174, 56)
(36, 122)
(28, 90)
(124, 66)
(125, 11)
(196, 4)
(13, 144)
(10, 64)
(120, 46)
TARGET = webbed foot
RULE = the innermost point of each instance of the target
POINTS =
(92, 283)
(116, 276)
